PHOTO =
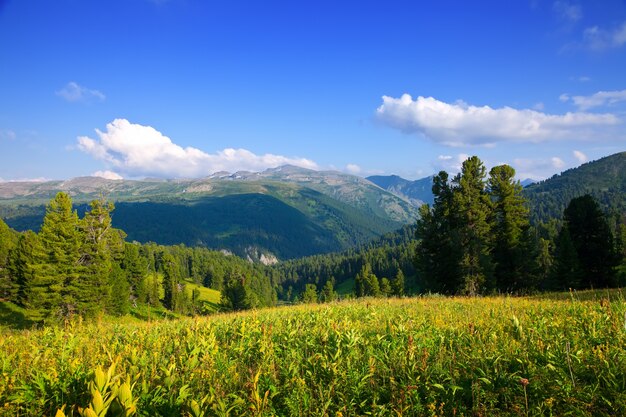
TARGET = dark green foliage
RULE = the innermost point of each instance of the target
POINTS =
(328, 293)
(366, 283)
(22, 269)
(473, 205)
(397, 284)
(604, 180)
(477, 237)
(512, 241)
(438, 253)
(593, 241)
(237, 295)
(136, 268)
(309, 295)
(118, 302)
(8, 241)
(55, 285)
(566, 272)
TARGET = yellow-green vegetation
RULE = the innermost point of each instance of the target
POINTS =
(383, 357)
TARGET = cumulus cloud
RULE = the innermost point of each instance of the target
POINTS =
(537, 169)
(137, 150)
(353, 169)
(458, 124)
(581, 157)
(73, 92)
(107, 175)
(601, 98)
(599, 39)
(568, 11)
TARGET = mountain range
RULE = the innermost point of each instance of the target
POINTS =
(280, 213)
(286, 212)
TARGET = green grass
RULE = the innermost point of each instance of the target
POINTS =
(496, 356)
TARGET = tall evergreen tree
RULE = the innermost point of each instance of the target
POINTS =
(57, 267)
(594, 243)
(118, 302)
(474, 206)
(397, 284)
(136, 268)
(102, 246)
(22, 270)
(438, 250)
(509, 225)
(566, 271)
(366, 283)
(8, 241)
(171, 282)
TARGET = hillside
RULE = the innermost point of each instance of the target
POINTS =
(283, 213)
(604, 179)
(417, 192)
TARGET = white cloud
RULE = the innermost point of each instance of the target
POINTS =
(568, 11)
(601, 98)
(537, 169)
(460, 124)
(136, 150)
(107, 175)
(581, 157)
(73, 93)
(353, 169)
(539, 106)
(450, 163)
(599, 39)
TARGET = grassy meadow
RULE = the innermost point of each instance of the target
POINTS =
(435, 356)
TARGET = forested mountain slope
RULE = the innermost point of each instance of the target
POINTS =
(604, 179)
(282, 213)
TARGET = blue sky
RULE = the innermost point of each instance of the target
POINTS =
(184, 88)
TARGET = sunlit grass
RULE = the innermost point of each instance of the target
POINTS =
(384, 357)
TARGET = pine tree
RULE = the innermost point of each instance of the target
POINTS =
(385, 287)
(474, 206)
(309, 295)
(366, 283)
(136, 269)
(397, 284)
(22, 270)
(8, 241)
(118, 301)
(171, 281)
(236, 295)
(438, 253)
(566, 272)
(101, 245)
(594, 243)
(509, 227)
(328, 293)
(57, 268)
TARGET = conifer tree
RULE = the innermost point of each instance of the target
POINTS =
(118, 301)
(397, 284)
(309, 295)
(102, 246)
(328, 292)
(57, 268)
(566, 271)
(171, 282)
(22, 269)
(8, 241)
(474, 206)
(136, 269)
(594, 243)
(509, 228)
